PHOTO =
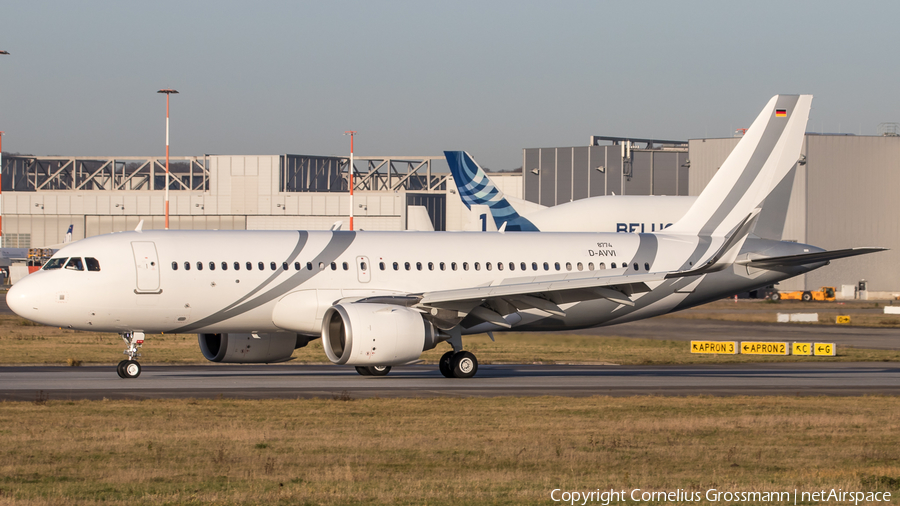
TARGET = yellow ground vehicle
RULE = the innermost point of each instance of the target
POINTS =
(826, 293)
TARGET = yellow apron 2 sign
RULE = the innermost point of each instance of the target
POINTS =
(764, 348)
(728, 347)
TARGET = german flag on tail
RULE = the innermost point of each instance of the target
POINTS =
(780, 113)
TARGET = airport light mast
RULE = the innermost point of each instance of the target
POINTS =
(351, 133)
(1, 178)
(167, 92)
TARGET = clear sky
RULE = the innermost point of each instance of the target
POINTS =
(416, 78)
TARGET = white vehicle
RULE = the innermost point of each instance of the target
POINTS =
(379, 299)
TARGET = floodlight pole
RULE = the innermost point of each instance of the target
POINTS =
(1, 178)
(351, 133)
(167, 92)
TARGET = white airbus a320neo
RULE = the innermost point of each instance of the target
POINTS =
(379, 299)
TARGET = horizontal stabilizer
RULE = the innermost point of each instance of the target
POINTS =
(808, 258)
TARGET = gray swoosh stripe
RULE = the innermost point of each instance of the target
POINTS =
(763, 150)
(301, 242)
(647, 249)
(339, 243)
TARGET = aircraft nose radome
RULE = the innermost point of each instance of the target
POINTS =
(22, 300)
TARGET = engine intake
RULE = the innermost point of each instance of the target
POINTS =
(250, 348)
(376, 334)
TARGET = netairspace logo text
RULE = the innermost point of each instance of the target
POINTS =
(612, 496)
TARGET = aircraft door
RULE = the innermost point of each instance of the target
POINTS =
(146, 264)
(363, 269)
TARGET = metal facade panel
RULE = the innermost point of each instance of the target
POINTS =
(640, 182)
(583, 171)
(563, 175)
(548, 177)
(706, 156)
(613, 170)
(665, 173)
(852, 200)
(597, 179)
(530, 179)
(684, 174)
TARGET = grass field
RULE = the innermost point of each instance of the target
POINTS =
(24, 343)
(439, 451)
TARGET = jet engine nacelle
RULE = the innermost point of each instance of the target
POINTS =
(376, 334)
(250, 348)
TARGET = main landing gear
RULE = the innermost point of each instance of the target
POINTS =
(458, 364)
(130, 368)
(374, 370)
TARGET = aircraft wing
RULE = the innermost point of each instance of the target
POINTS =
(807, 258)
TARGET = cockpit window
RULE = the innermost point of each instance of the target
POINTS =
(92, 264)
(55, 263)
(75, 264)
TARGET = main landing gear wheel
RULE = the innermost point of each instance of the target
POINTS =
(374, 370)
(444, 364)
(128, 369)
(458, 364)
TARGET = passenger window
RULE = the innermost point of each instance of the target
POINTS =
(546, 266)
(500, 266)
(487, 265)
(93, 265)
(418, 266)
(174, 266)
(477, 266)
(381, 265)
(285, 266)
(568, 266)
(75, 264)
(333, 266)
(612, 265)
(453, 266)
(224, 266)
(362, 266)
(199, 266)
(533, 266)
(55, 263)
(321, 266)
(430, 266)
(187, 266)
(443, 266)
(212, 266)
(590, 266)
(261, 266)
(602, 266)
(396, 266)
(646, 266)
(465, 266)
(636, 267)
(556, 264)
(345, 266)
(273, 265)
(296, 266)
(580, 267)
(309, 266)
(406, 265)
(249, 266)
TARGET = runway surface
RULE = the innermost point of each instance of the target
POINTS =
(304, 381)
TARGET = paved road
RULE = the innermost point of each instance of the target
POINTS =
(303, 381)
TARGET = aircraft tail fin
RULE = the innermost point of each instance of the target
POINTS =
(754, 169)
(475, 188)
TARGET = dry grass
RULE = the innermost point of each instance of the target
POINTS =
(862, 313)
(438, 451)
(26, 344)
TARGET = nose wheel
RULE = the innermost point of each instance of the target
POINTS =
(130, 368)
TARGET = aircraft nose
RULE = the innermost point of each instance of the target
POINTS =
(22, 298)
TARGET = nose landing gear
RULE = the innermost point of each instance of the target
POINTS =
(130, 368)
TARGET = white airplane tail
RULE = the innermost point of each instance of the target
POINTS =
(760, 161)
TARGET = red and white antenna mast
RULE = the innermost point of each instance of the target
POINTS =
(351, 133)
(167, 92)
